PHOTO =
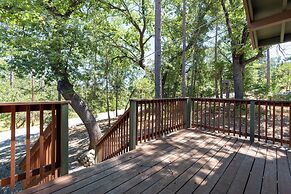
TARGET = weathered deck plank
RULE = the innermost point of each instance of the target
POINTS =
(270, 174)
(239, 182)
(256, 175)
(190, 167)
(111, 182)
(207, 185)
(115, 171)
(229, 175)
(284, 177)
(141, 177)
(188, 161)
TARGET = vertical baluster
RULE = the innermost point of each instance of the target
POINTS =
(290, 126)
(259, 120)
(110, 146)
(214, 115)
(228, 116)
(140, 132)
(201, 118)
(53, 137)
(149, 121)
(246, 129)
(266, 122)
(41, 142)
(145, 122)
(127, 132)
(167, 115)
(176, 114)
(240, 107)
(12, 148)
(193, 114)
(274, 120)
(282, 109)
(153, 127)
(137, 119)
(218, 126)
(27, 157)
(205, 114)
(179, 114)
(223, 116)
(234, 116)
(197, 107)
(156, 119)
(122, 135)
(170, 112)
(173, 115)
(113, 143)
(209, 116)
(170, 115)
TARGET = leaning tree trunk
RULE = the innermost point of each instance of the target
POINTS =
(81, 108)
(238, 78)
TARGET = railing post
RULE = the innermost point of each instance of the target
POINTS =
(252, 121)
(132, 126)
(64, 168)
(98, 154)
(188, 112)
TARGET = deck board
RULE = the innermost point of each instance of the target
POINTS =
(256, 175)
(187, 161)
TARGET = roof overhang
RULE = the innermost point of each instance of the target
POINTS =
(269, 21)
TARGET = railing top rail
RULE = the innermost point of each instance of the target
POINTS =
(113, 126)
(246, 100)
(32, 103)
(156, 99)
(34, 106)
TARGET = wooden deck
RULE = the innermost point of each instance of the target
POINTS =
(187, 161)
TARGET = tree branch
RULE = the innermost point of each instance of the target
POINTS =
(73, 5)
(252, 59)
(111, 6)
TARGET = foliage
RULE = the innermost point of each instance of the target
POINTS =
(105, 49)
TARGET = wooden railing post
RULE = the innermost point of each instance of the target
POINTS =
(188, 112)
(64, 168)
(252, 121)
(132, 126)
(98, 154)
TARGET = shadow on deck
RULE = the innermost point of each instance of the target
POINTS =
(187, 161)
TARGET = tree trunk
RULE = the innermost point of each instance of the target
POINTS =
(32, 99)
(238, 78)
(130, 96)
(11, 78)
(216, 88)
(215, 61)
(116, 103)
(268, 73)
(107, 102)
(158, 83)
(81, 108)
(221, 87)
(193, 77)
(184, 51)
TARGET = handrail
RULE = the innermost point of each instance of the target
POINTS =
(285, 103)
